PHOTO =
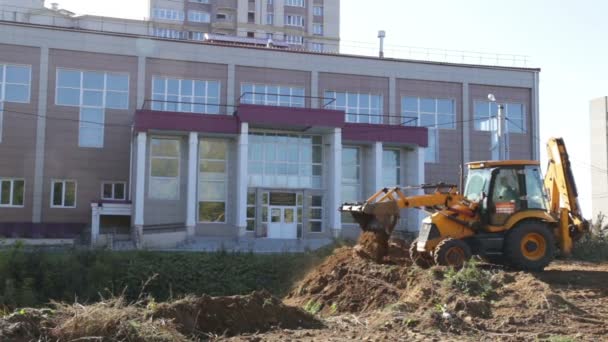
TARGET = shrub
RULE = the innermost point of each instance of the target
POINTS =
(34, 277)
(470, 279)
(593, 246)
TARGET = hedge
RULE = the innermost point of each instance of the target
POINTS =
(30, 278)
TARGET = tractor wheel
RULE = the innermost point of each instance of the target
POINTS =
(452, 252)
(420, 259)
(529, 246)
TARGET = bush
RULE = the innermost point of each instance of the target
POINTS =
(470, 279)
(593, 246)
(34, 277)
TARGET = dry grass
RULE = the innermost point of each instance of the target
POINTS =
(112, 319)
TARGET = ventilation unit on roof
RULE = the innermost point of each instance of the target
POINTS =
(217, 38)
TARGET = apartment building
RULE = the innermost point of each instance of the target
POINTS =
(599, 156)
(163, 141)
(303, 24)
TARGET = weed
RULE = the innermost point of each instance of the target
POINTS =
(312, 307)
(593, 246)
(470, 279)
(333, 308)
(560, 339)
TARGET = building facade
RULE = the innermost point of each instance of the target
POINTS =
(599, 156)
(305, 24)
(161, 141)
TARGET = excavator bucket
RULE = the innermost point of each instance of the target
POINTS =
(377, 220)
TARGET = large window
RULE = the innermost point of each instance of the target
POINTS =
(272, 95)
(182, 95)
(170, 33)
(251, 211)
(93, 92)
(295, 3)
(294, 40)
(15, 83)
(270, 19)
(294, 20)
(317, 10)
(199, 17)
(315, 214)
(486, 113)
(431, 113)
(164, 169)
(391, 168)
(212, 180)
(168, 14)
(63, 194)
(351, 178)
(317, 29)
(11, 192)
(359, 107)
(286, 161)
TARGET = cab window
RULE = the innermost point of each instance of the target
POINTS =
(535, 193)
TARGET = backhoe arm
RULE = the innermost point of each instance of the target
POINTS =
(563, 195)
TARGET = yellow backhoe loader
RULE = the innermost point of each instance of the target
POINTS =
(507, 215)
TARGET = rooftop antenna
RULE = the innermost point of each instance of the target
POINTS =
(381, 36)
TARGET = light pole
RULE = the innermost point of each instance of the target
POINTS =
(500, 130)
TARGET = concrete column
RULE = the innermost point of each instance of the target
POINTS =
(421, 180)
(231, 97)
(141, 81)
(414, 170)
(192, 186)
(241, 179)
(335, 182)
(535, 129)
(377, 160)
(40, 136)
(94, 223)
(314, 90)
(279, 13)
(140, 181)
(309, 17)
(395, 117)
(466, 124)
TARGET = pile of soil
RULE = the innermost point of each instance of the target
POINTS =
(347, 282)
(187, 319)
(233, 315)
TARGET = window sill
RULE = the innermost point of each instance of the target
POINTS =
(58, 207)
(11, 206)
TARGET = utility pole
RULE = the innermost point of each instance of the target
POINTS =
(501, 132)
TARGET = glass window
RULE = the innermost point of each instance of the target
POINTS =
(91, 130)
(359, 107)
(164, 169)
(317, 10)
(535, 191)
(192, 96)
(92, 88)
(212, 190)
(428, 112)
(12, 192)
(63, 194)
(315, 214)
(288, 161)
(272, 95)
(391, 167)
(486, 113)
(251, 211)
(431, 152)
(478, 182)
(113, 191)
(15, 83)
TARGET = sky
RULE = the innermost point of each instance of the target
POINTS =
(566, 39)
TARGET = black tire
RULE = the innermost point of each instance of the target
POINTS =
(420, 259)
(452, 252)
(494, 259)
(529, 246)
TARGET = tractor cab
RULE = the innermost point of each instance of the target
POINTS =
(504, 188)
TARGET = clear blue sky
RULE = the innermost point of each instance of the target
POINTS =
(566, 39)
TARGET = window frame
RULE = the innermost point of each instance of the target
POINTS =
(12, 180)
(358, 183)
(179, 15)
(318, 29)
(196, 16)
(318, 10)
(321, 208)
(225, 180)
(4, 66)
(63, 192)
(520, 130)
(179, 166)
(114, 183)
(355, 112)
(294, 20)
(295, 3)
(266, 94)
(398, 167)
(207, 104)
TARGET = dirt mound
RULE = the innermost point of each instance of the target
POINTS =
(259, 311)
(346, 282)
(182, 320)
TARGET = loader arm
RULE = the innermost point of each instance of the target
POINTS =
(563, 195)
(381, 211)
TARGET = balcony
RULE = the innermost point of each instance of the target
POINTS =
(295, 114)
